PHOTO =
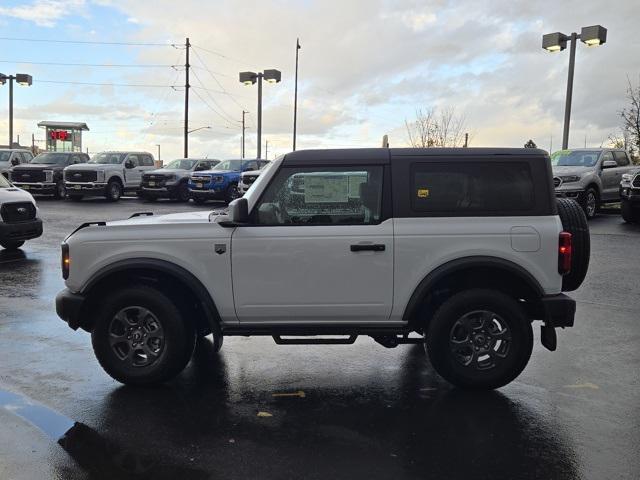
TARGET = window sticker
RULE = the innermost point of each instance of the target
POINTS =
(423, 193)
(326, 189)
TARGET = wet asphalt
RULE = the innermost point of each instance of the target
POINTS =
(257, 410)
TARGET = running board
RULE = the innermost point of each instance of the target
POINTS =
(314, 341)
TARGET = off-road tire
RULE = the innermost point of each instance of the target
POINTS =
(182, 192)
(9, 245)
(590, 202)
(179, 336)
(114, 191)
(629, 214)
(441, 328)
(574, 221)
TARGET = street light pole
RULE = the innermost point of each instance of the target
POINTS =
(295, 97)
(260, 75)
(556, 42)
(567, 105)
(11, 111)
(159, 159)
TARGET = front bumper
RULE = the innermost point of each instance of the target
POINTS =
(20, 230)
(630, 194)
(214, 193)
(43, 188)
(559, 310)
(94, 188)
(159, 192)
(573, 193)
(69, 306)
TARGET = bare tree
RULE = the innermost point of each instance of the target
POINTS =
(436, 129)
(631, 117)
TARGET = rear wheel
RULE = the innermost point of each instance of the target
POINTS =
(629, 214)
(199, 200)
(140, 337)
(114, 191)
(9, 245)
(479, 339)
(574, 221)
(61, 191)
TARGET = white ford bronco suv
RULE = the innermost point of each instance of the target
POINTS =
(463, 247)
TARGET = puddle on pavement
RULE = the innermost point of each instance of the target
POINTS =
(100, 457)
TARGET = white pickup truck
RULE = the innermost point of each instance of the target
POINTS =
(459, 249)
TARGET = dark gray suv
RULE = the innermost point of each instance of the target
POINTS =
(591, 176)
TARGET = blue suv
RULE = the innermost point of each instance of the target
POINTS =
(221, 182)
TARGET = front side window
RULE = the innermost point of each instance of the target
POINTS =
(108, 158)
(621, 159)
(322, 195)
(461, 188)
(133, 159)
(5, 155)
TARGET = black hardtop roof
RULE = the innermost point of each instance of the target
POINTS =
(383, 155)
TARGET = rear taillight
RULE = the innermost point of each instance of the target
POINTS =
(564, 253)
(66, 261)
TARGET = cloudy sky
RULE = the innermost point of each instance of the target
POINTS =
(365, 67)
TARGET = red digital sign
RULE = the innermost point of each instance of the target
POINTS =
(60, 135)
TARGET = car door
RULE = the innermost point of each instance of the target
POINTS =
(133, 176)
(608, 176)
(319, 249)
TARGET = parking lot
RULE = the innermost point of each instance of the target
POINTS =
(315, 411)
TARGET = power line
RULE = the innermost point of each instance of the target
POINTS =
(63, 82)
(88, 42)
(131, 65)
(217, 81)
(211, 108)
(226, 116)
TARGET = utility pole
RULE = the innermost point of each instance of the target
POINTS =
(466, 140)
(243, 129)
(295, 97)
(159, 160)
(33, 144)
(186, 101)
(11, 111)
(266, 150)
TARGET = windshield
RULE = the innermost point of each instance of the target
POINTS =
(575, 158)
(108, 158)
(4, 183)
(4, 155)
(235, 165)
(51, 159)
(181, 164)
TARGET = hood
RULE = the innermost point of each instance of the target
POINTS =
(172, 218)
(36, 166)
(14, 194)
(215, 172)
(167, 171)
(96, 166)
(569, 170)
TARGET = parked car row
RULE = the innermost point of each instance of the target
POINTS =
(114, 174)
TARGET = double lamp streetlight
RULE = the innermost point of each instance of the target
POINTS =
(556, 42)
(21, 79)
(249, 78)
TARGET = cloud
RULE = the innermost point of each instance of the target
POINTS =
(44, 13)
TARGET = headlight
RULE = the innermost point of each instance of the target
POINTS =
(100, 176)
(570, 178)
(626, 177)
(217, 179)
(48, 176)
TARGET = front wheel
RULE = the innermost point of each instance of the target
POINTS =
(479, 339)
(9, 245)
(114, 191)
(182, 193)
(629, 214)
(589, 203)
(140, 337)
(232, 193)
(61, 191)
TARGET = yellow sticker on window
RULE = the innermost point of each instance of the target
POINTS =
(423, 193)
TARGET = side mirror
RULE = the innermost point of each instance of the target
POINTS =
(128, 164)
(15, 161)
(239, 211)
(609, 164)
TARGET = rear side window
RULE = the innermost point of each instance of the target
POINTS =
(472, 188)
(147, 161)
(621, 159)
